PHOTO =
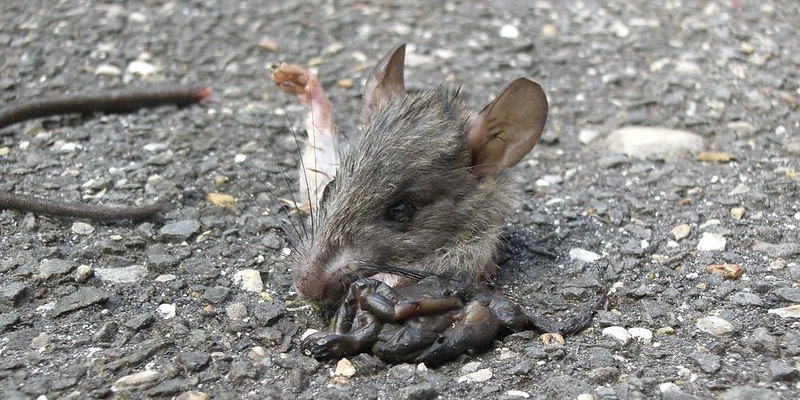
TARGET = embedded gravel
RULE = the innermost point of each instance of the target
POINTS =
(175, 307)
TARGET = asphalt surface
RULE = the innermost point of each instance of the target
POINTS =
(157, 310)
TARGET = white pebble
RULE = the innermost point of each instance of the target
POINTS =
(135, 380)
(681, 231)
(518, 393)
(236, 311)
(711, 242)
(345, 368)
(586, 136)
(167, 311)
(470, 367)
(577, 253)
(654, 143)
(481, 375)
(669, 387)
(142, 68)
(108, 70)
(643, 335)
(792, 311)
(249, 280)
(714, 325)
(83, 272)
(509, 32)
(134, 273)
(165, 278)
(619, 333)
(82, 228)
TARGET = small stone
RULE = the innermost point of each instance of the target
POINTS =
(792, 311)
(711, 242)
(83, 297)
(763, 342)
(576, 253)
(82, 228)
(108, 70)
(739, 189)
(715, 157)
(790, 294)
(13, 293)
(737, 213)
(267, 312)
(585, 396)
(749, 393)
(221, 199)
(345, 368)
(134, 273)
(669, 388)
(666, 330)
(680, 232)
(782, 250)
(142, 68)
(549, 30)
(587, 136)
(777, 264)
(236, 311)
(518, 393)
(709, 363)
(40, 342)
(193, 395)
(107, 332)
(167, 311)
(727, 271)
(470, 367)
(642, 335)
(249, 280)
(747, 299)
(194, 361)
(177, 231)
(83, 273)
(619, 333)
(481, 375)
(714, 325)
(136, 380)
(509, 32)
(419, 391)
(55, 268)
(781, 371)
(654, 143)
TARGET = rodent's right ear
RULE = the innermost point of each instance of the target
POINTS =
(384, 83)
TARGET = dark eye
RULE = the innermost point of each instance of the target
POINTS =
(327, 191)
(401, 211)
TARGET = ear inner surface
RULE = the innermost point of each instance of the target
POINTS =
(384, 83)
(508, 128)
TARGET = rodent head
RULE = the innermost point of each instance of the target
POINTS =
(421, 188)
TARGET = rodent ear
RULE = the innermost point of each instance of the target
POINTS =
(384, 83)
(508, 128)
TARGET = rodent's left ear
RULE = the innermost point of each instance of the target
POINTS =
(508, 128)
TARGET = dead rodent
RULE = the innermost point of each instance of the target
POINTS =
(423, 188)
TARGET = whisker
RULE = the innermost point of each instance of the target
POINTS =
(300, 153)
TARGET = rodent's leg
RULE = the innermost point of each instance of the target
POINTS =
(342, 322)
(352, 329)
(572, 325)
(364, 332)
(477, 327)
(390, 305)
(320, 158)
(403, 343)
